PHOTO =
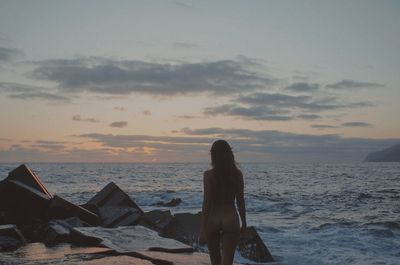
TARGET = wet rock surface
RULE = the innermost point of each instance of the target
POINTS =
(181, 259)
(133, 239)
(64, 253)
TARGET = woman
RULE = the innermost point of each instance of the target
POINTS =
(220, 224)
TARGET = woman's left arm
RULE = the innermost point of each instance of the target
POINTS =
(205, 208)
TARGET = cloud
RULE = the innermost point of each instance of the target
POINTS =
(101, 75)
(309, 116)
(52, 153)
(274, 144)
(9, 54)
(17, 87)
(356, 124)
(141, 140)
(28, 92)
(302, 87)
(193, 145)
(278, 106)
(353, 84)
(79, 118)
(49, 145)
(285, 101)
(119, 124)
(40, 95)
(323, 126)
(253, 112)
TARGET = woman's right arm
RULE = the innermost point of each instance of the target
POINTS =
(240, 202)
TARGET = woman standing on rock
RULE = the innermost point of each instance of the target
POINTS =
(222, 185)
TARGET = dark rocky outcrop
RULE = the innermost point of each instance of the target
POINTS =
(23, 196)
(42, 217)
(115, 207)
(10, 238)
(76, 222)
(252, 247)
(23, 203)
(391, 154)
(26, 200)
(184, 227)
(60, 208)
(5, 218)
(26, 176)
(156, 219)
(59, 231)
(112, 195)
(172, 203)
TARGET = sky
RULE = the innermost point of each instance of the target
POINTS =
(159, 81)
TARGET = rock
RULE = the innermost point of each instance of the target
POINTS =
(112, 216)
(5, 218)
(59, 231)
(115, 207)
(23, 196)
(184, 227)
(60, 208)
(76, 222)
(128, 239)
(252, 247)
(112, 195)
(391, 154)
(10, 238)
(172, 203)
(26, 176)
(156, 219)
(23, 203)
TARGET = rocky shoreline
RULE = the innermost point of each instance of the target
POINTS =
(37, 227)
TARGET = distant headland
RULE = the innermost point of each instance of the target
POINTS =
(391, 154)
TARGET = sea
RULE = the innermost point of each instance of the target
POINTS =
(306, 213)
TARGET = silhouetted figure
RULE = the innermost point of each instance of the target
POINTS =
(222, 185)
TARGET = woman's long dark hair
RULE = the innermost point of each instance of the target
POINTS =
(225, 168)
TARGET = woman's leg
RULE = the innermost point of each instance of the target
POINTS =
(214, 248)
(229, 237)
(229, 242)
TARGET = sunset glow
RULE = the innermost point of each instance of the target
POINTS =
(137, 81)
